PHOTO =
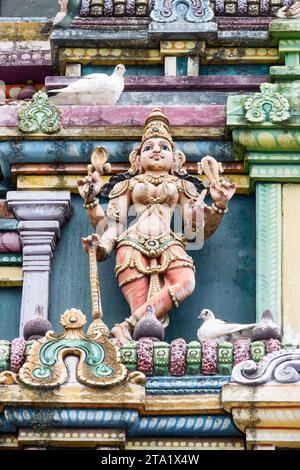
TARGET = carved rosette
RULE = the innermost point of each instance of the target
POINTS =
(267, 106)
(39, 116)
(98, 364)
(280, 366)
(167, 11)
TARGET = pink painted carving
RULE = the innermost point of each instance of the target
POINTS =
(273, 345)
(209, 357)
(10, 242)
(177, 357)
(17, 354)
(145, 356)
(241, 351)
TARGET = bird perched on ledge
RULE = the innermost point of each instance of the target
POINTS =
(266, 328)
(95, 89)
(219, 330)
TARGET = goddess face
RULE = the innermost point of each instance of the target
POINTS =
(156, 155)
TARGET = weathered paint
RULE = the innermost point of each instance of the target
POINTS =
(57, 151)
(157, 83)
(117, 132)
(291, 261)
(10, 276)
(267, 140)
(69, 182)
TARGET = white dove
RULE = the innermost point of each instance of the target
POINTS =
(219, 330)
(94, 89)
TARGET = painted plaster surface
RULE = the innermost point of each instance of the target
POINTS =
(82, 116)
(9, 316)
(69, 182)
(291, 259)
(10, 276)
(137, 83)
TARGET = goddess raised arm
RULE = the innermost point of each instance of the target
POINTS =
(152, 266)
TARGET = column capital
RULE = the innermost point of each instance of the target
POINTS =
(40, 205)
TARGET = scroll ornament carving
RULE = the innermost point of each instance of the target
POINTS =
(280, 366)
(167, 11)
(98, 364)
(267, 106)
(39, 116)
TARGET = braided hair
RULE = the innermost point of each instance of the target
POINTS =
(107, 188)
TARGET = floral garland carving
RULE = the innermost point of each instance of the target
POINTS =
(267, 106)
(39, 116)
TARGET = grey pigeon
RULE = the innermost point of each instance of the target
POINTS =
(95, 89)
(266, 328)
(219, 330)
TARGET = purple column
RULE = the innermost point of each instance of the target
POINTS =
(41, 213)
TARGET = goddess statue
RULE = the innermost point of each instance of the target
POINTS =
(152, 266)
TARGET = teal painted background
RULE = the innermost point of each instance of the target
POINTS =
(232, 69)
(10, 306)
(158, 70)
(225, 274)
(137, 70)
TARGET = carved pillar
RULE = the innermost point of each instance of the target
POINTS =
(268, 249)
(41, 213)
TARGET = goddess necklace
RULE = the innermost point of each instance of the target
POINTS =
(156, 180)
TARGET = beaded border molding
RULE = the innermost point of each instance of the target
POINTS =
(163, 359)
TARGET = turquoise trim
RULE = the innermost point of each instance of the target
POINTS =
(131, 70)
(186, 385)
(10, 259)
(8, 225)
(268, 250)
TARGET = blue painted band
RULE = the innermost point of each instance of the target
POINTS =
(76, 151)
(8, 225)
(135, 425)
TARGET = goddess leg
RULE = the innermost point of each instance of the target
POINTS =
(179, 284)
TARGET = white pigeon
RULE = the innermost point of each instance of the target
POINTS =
(219, 330)
(94, 89)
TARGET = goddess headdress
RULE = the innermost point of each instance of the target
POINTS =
(156, 125)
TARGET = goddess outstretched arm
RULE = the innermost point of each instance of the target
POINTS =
(201, 219)
(116, 218)
(89, 187)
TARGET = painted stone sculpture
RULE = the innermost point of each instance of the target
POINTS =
(39, 116)
(167, 11)
(152, 266)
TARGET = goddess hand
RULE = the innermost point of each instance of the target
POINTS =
(199, 203)
(222, 192)
(89, 187)
(94, 241)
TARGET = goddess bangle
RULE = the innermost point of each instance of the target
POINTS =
(218, 210)
(92, 204)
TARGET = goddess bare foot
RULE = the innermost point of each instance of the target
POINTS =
(121, 331)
